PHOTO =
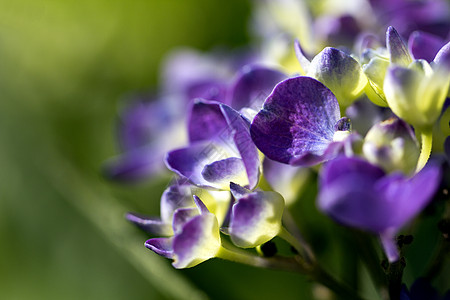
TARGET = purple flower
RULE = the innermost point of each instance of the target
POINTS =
(299, 123)
(422, 289)
(424, 45)
(196, 237)
(220, 149)
(359, 194)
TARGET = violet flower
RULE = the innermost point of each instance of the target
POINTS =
(300, 123)
(196, 237)
(359, 194)
(220, 149)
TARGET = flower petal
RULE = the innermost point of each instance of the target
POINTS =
(339, 72)
(397, 49)
(253, 85)
(198, 241)
(424, 45)
(244, 144)
(161, 246)
(297, 118)
(150, 224)
(222, 172)
(256, 218)
(174, 197)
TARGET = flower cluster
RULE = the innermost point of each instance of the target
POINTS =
(361, 123)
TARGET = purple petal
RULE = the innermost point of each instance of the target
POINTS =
(174, 197)
(397, 49)
(408, 197)
(189, 162)
(423, 45)
(150, 224)
(244, 144)
(183, 216)
(238, 191)
(200, 205)
(223, 170)
(161, 246)
(198, 241)
(443, 56)
(447, 148)
(134, 165)
(205, 121)
(297, 118)
(208, 89)
(348, 195)
(253, 85)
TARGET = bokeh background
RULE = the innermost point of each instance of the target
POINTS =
(66, 67)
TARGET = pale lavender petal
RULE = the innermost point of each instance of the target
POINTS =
(244, 143)
(397, 49)
(256, 218)
(222, 170)
(150, 224)
(443, 56)
(205, 121)
(135, 164)
(253, 85)
(178, 195)
(161, 246)
(424, 45)
(208, 89)
(301, 57)
(297, 118)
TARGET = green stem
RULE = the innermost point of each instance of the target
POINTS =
(426, 137)
(298, 245)
(279, 263)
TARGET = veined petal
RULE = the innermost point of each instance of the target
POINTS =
(297, 118)
(256, 218)
(340, 73)
(398, 51)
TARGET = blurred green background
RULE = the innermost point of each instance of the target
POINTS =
(65, 65)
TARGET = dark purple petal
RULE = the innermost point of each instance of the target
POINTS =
(297, 118)
(423, 45)
(134, 165)
(422, 289)
(205, 121)
(150, 224)
(243, 142)
(447, 148)
(397, 49)
(443, 56)
(253, 85)
(223, 170)
(161, 246)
